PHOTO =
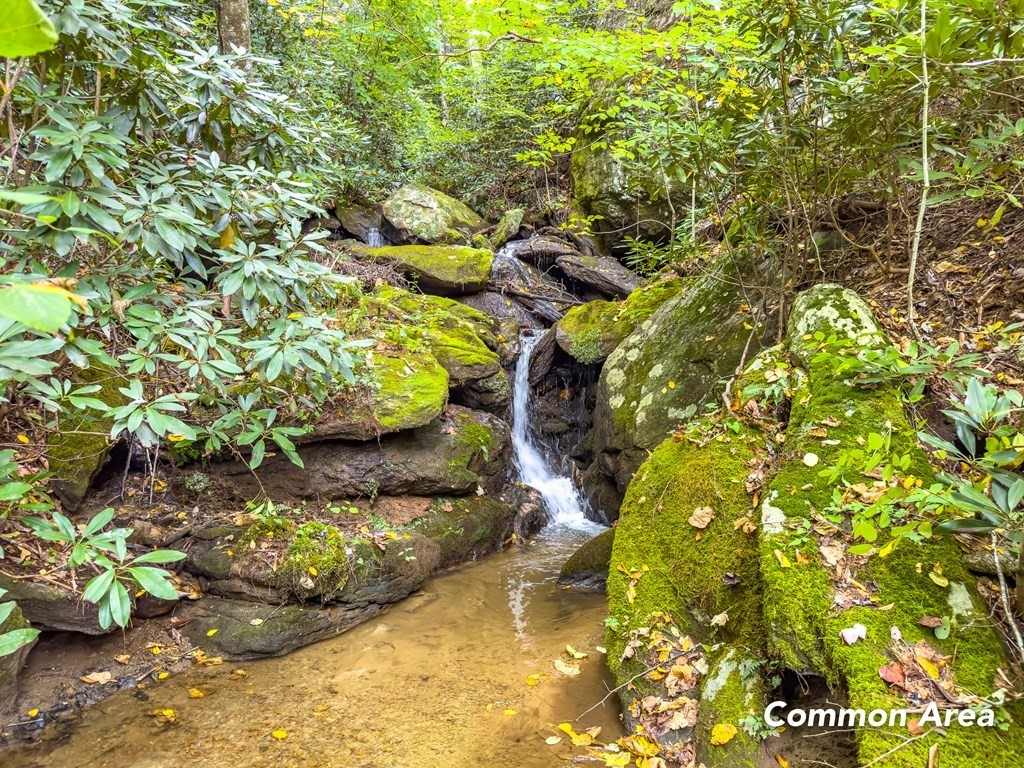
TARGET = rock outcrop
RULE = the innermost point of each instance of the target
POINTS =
(419, 214)
(446, 270)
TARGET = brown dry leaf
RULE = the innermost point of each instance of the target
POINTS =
(832, 552)
(914, 726)
(195, 693)
(930, 621)
(701, 517)
(123, 658)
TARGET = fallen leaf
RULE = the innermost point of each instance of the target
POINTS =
(892, 673)
(195, 693)
(938, 578)
(930, 667)
(701, 517)
(852, 634)
(783, 560)
(279, 734)
(783, 762)
(163, 675)
(510, 712)
(212, 632)
(256, 622)
(930, 621)
(722, 733)
(811, 459)
(97, 678)
(123, 658)
(914, 726)
(164, 715)
(574, 653)
(570, 670)
(720, 620)
(33, 712)
(552, 740)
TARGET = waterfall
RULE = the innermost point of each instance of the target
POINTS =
(375, 239)
(559, 493)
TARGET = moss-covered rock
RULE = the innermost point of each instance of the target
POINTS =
(604, 274)
(418, 213)
(508, 228)
(676, 361)
(829, 417)
(587, 568)
(592, 331)
(467, 528)
(443, 269)
(48, 606)
(685, 561)
(11, 664)
(78, 451)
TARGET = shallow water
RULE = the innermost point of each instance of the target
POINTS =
(438, 680)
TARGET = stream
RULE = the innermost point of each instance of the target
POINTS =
(441, 679)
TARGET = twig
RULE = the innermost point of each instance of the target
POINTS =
(1005, 595)
(915, 248)
(633, 679)
(897, 748)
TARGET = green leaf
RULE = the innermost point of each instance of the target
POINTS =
(156, 581)
(99, 522)
(98, 586)
(12, 641)
(42, 306)
(25, 30)
(160, 556)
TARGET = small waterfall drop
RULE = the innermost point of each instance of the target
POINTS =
(375, 239)
(563, 500)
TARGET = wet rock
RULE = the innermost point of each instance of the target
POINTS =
(532, 512)
(542, 295)
(603, 273)
(502, 307)
(543, 357)
(360, 221)
(542, 250)
(508, 228)
(454, 454)
(446, 270)
(493, 394)
(466, 529)
(48, 606)
(417, 213)
(587, 568)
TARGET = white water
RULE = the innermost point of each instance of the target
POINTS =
(563, 500)
(375, 239)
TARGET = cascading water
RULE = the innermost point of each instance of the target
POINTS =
(375, 239)
(563, 500)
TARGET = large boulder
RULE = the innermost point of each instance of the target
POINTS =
(677, 360)
(602, 273)
(543, 296)
(447, 270)
(587, 569)
(454, 454)
(417, 213)
(508, 228)
(592, 331)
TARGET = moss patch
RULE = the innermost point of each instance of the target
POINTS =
(411, 390)
(466, 528)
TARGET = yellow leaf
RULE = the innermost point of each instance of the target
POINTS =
(195, 693)
(279, 734)
(312, 570)
(783, 762)
(928, 666)
(783, 560)
(939, 579)
(227, 236)
(22, 439)
(574, 653)
(722, 733)
(33, 712)
(671, 385)
(212, 632)
(163, 675)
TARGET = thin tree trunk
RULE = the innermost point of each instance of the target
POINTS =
(233, 25)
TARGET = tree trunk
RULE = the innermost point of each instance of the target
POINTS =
(233, 25)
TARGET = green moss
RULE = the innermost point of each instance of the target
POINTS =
(685, 575)
(447, 269)
(480, 241)
(727, 696)
(317, 552)
(429, 214)
(411, 390)
(592, 331)
(508, 227)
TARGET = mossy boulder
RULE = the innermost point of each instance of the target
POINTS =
(448, 270)
(829, 417)
(684, 564)
(508, 228)
(466, 529)
(417, 213)
(587, 568)
(77, 453)
(677, 360)
(457, 453)
(51, 607)
(406, 390)
(592, 331)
